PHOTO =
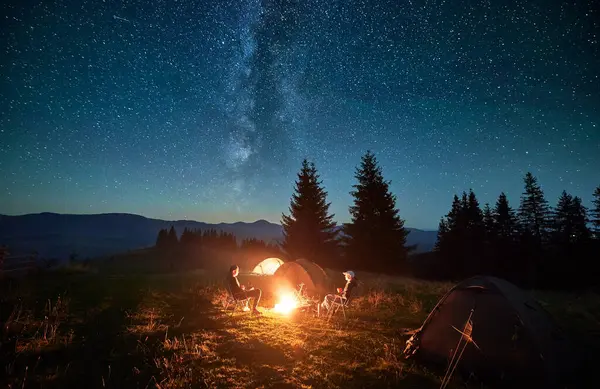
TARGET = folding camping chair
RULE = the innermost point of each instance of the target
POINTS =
(232, 300)
(338, 303)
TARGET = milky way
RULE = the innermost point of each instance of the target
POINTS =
(204, 110)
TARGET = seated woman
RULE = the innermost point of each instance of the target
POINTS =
(240, 291)
(343, 293)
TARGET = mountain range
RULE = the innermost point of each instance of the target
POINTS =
(54, 235)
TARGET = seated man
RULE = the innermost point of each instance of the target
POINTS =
(240, 291)
(343, 293)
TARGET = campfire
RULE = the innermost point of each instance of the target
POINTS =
(287, 303)
(290, 300)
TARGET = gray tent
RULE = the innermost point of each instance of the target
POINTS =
(302, 271)
(517, 342)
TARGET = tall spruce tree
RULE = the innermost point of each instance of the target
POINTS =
(375, 237)
(187, 237)
(488, 221)
(569, 238)
(505, 247)
(491, 233)
(442, 234)
(562, 224)
(595, 214)
(475, 261)
(162, 238)
(534, 212)
(581, 232)
(474, 214)
(309, 230)
(505, 219)
(534, 222)
(460, 244)
(451, 233)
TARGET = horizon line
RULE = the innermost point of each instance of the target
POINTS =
(173, 220)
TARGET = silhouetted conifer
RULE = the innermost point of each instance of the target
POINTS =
(505, 258)
(562, 224)
(505, 220)
(474, 214)
(162, 238)
(475, 261)
(172, 237)
(309, 230)
(187, 237)
(570, 238)
(534, 223)
(461, 244)
(442, 233)
(450, 239)
(489, 223)
(534, 212)
(375, 237)
(595, 213)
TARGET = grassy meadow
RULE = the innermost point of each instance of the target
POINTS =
(87, 328)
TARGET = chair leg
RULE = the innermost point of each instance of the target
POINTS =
(331, 312)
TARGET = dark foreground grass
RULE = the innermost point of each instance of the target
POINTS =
(91, 330)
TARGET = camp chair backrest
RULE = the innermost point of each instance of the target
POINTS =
(232, 300)
(231, 293)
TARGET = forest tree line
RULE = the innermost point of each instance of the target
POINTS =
(533, 245)
(218, 240)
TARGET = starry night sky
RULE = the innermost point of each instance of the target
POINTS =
(204, 109)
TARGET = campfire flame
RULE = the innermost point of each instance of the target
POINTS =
(287, 303)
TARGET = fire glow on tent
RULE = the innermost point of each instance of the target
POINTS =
(267, 266)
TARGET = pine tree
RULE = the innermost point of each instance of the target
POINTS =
(475, 261)
(534, 210)
(451, 235)
(570, 221)
(162, 239)
(581, 233)
(595, 214)
(562, 221)
(504, 254)
(442, 234)
(375, 237)
(456, 214)
(172, 237)
(187, 237)
(505, 219)
(309, 230)
(474, 214)
(489, 223)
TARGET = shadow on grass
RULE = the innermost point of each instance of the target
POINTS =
(92, 351)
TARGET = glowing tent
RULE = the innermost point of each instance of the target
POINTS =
(310, 274)
(267, 266)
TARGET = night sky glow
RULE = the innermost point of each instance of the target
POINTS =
(204, 109)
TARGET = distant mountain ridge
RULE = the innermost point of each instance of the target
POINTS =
(55, 235)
